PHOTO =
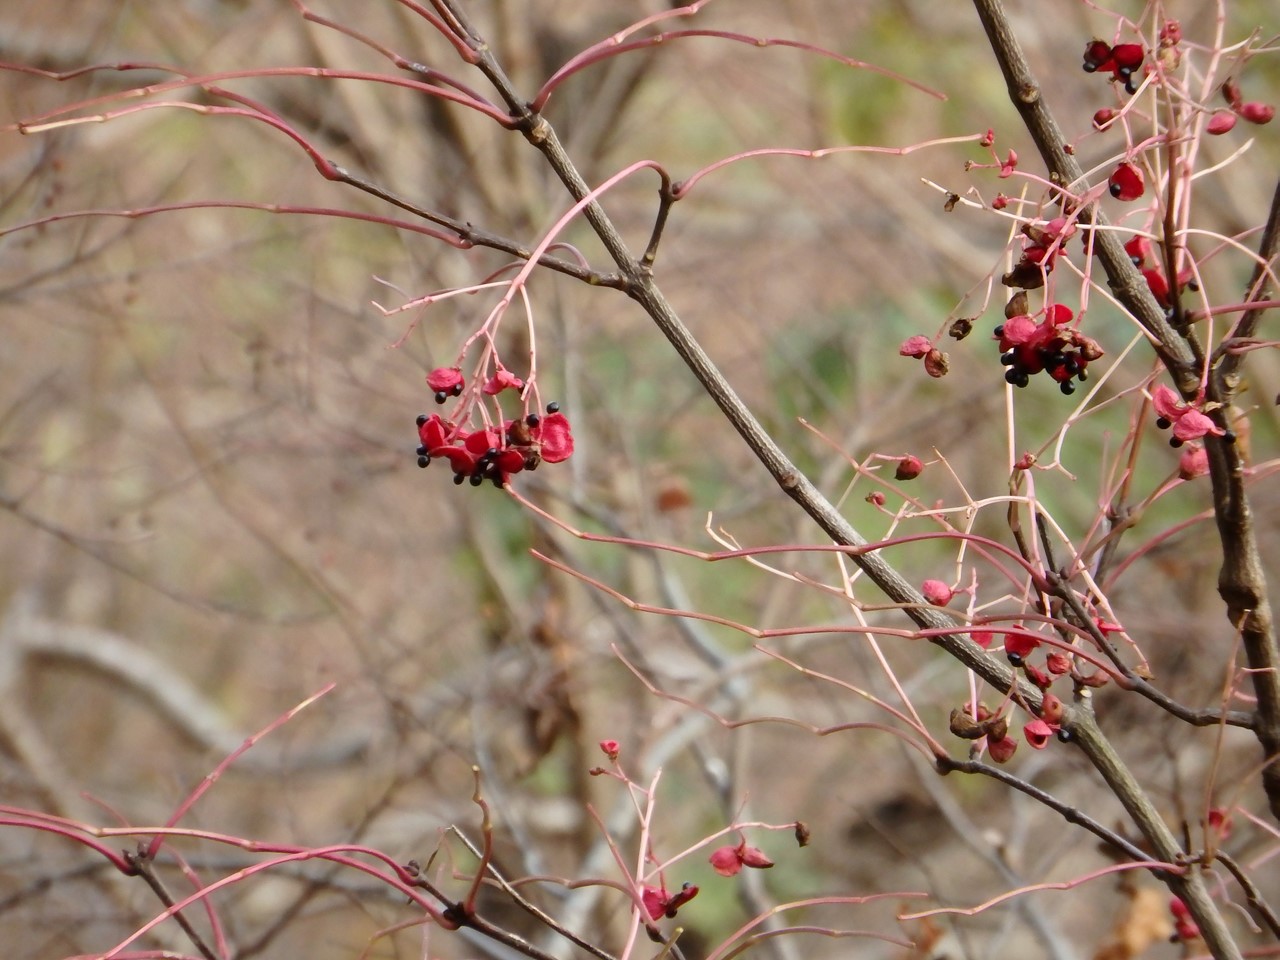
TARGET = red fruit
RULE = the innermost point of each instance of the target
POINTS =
(1193, 463)
(1103, 117)
(1128, 57)
(556, 438)
(1002, 750)
(1037, 733)
(909, 468)
(1139, 248)
(1221, 122)
(1231, 93)
(1097, 56)
(1019, 644)
(1051, 710)
(1159, 286)
(936, 592)
(725, 861)
(502, 380)
(1127, 182)
(445, 380)
(916, 346)
(1256, 112)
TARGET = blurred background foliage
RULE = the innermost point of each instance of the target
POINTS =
(211, 507)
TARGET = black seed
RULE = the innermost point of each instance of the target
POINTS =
(1008, 359)
(1015, 659)
(477, 478)
(422, 418)
(553, 407)
(1129, 87)
(1175, 442)
(1090, 67)
(1012, 376)
(458, 478)
(441, 396)
(499, 480)
(457, 390)
(422, 451)
(424, 461)
(1163, 423)
(1067, 387)
(532, 420)
(1064, 735)
(999, 331)
(1116, 189)
(1023, 380)
(1082, 374)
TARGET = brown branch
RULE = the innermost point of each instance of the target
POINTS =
(142, 864)
(1242, 581)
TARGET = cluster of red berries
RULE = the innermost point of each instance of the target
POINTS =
(1123, 60)
(492, 453)
(1050, 346)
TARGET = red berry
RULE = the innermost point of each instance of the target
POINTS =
(1221, 122)
(1257, 112)
(1127, 182)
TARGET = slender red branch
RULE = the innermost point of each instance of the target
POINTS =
(611, 48)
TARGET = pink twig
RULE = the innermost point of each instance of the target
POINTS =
(402, 62)
(203, 787)
(681, 189)
(57, 826)
(792, 721)
(614, 46)
(275, 208)
(723, 953)
(335, 854)
(1173, 868)
(716, 556)
(209, 81)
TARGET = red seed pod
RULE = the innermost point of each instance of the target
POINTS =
(1051, 710)
(1128, 57)
(1221, 122)
(916, 346)
(1103, 117)
(1058, 663)
(1127, 182)
(936, 363)
(1231, 92)
(1002, 750)
(1171, 33)
(909, 467)
(1257, 112)
(1096, 56)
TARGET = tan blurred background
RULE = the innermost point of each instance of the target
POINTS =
(211, 507)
